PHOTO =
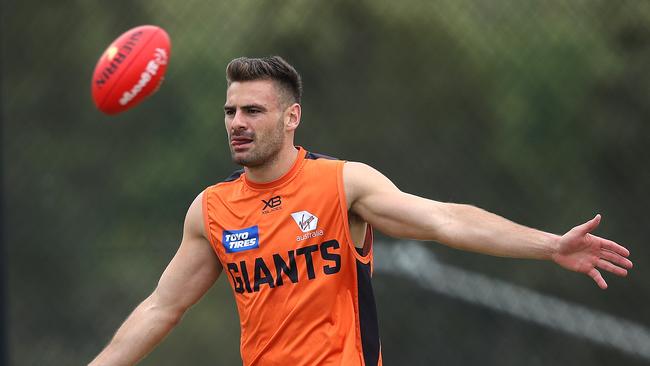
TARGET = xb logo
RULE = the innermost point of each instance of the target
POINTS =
(272, 203)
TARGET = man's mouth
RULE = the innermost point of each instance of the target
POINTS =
(240, 142)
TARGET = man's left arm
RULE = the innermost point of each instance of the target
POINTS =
(378, 201)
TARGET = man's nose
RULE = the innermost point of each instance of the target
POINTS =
(238, 122)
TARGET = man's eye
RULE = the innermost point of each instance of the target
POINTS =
(229, 112)
(254, 111)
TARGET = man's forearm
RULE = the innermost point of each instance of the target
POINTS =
(470, 228)
(138, 335)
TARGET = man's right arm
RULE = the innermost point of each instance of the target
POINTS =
(189, 275)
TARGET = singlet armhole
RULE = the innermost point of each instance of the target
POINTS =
(365, 256)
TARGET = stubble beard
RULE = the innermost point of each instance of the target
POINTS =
(264, 151)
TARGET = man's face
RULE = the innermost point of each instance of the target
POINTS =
(254, 117)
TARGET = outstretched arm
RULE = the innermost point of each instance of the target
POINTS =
(188, 276)
(378, 201)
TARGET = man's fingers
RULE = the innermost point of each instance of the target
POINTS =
(616, 259)
(609, 267)
(597, 278)
(589, 226)
(614, 247)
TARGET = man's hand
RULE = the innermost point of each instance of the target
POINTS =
(580, 251)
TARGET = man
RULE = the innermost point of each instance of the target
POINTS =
(292, 231)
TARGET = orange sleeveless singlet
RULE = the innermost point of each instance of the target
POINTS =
(302, 289)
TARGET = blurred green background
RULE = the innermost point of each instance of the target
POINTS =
(536, 110)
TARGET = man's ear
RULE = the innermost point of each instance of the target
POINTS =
(292, 116)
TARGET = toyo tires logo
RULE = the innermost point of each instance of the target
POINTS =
(239, 240)
(159, 59)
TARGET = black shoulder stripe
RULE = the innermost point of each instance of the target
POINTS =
(234, 175)
(314, 156)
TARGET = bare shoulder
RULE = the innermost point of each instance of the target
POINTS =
(353, 169)
(353, 174)
(194, 218)
(361, 180)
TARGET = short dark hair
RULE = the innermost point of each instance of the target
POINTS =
(266, 68)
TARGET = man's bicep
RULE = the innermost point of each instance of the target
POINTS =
(362, 181)
(378, 201)
(194, 268)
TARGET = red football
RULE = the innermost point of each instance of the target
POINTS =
(130, 69)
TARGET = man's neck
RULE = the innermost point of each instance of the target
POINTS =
(275, 168)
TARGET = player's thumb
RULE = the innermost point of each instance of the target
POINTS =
(589, 226)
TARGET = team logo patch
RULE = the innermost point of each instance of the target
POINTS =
(305, 220)
(240, 240)
(272, 204)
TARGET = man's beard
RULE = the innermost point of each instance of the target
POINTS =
(264, 150)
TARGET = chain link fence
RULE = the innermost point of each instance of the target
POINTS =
(536, 110)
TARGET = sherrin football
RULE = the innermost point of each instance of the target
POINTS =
(131, 68)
